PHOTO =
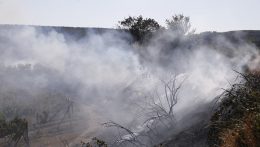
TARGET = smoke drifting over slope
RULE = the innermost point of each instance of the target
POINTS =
(108, 78)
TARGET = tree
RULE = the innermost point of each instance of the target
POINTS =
(159, 110)
(180, 24)
(160, 107)
(139, 27)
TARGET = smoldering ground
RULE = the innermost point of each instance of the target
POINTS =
(107, 78)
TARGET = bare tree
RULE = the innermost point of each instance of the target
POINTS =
(160, 107)
(129, 136)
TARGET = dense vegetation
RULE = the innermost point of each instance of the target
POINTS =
(237, 119)
(14, 131)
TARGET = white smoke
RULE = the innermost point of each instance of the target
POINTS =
(114, 76)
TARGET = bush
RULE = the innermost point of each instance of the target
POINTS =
(235, 122)
(14, 130)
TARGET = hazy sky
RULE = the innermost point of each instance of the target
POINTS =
(206, 15)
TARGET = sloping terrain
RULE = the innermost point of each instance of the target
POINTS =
(54, 98)
(236, 121)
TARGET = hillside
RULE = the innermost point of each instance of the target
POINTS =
(252, 36)
(65, 86)
(78, 33)
(236, 121)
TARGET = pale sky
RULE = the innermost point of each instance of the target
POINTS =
(206, 15)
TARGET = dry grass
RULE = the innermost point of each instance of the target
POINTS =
(236, 120)
(241, 135)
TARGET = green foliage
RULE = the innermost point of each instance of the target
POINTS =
(140, 28)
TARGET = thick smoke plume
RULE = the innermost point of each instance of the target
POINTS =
(109, 79)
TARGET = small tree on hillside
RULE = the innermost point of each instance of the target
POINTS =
(140, 28)
(180, 24)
